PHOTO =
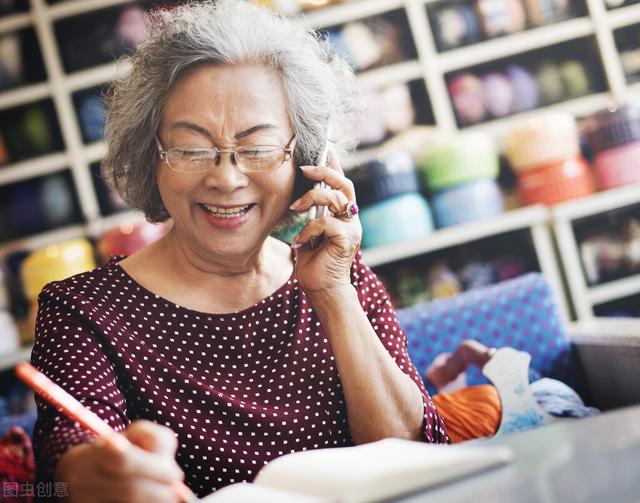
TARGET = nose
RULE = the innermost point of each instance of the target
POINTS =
(225, 175)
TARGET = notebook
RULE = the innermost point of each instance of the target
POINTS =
(365, 473)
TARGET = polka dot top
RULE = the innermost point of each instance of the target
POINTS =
(238, 389)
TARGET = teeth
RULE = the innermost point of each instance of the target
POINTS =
(226, 212)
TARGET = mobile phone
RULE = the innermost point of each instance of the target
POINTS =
(319, 211)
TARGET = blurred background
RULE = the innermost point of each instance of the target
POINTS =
(497, 137)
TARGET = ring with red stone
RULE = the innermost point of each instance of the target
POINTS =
(349, 212)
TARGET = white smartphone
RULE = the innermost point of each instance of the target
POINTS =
(319, 211)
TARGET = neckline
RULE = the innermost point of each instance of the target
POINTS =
(113, 263)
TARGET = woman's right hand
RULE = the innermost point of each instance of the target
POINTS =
(101, 472)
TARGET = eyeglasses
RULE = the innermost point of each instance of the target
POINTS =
(247, 158)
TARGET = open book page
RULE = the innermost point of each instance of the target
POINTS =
(375, 471)
(254, 493)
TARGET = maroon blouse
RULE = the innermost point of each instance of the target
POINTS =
(238, 389)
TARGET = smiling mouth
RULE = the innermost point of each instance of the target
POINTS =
(229, 213)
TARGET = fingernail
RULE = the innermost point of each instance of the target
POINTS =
(295, 204)
(308, 168)
(295, 245)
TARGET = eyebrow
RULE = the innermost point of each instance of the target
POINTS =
(253, 129)
(204, 132)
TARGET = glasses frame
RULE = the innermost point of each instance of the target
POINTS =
(164, 155)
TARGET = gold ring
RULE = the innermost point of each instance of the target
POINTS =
(349, 212)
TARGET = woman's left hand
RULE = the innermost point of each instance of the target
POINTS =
(329, 266)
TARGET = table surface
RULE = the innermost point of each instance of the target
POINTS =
(594, 459)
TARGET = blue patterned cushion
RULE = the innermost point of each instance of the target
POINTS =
(520, 313)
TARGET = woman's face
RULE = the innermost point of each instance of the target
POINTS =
(226, 106)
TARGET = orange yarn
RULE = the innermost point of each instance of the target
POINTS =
(470, 412)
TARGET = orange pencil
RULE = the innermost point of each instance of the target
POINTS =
(62, 400)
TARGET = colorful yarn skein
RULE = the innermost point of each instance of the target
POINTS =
(544, 151)
(460, 172)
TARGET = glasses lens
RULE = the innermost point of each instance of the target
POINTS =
(259, 158)
(192, 160)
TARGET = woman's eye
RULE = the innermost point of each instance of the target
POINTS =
(258, 153)
(196, 154)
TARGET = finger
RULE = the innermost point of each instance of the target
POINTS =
(344, 234)
(332, 178)
(332, 162)
(135, 461)
(335, 199)
(152, 437)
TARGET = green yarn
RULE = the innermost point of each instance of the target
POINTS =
(460, 159)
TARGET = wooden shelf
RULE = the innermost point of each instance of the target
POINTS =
(24, 95)
(580, 107)
(360, 157)
(430, 67)
(96, 76)
(43, 239)
(91, 230)
(352, 11)
(95, 229)
(521, 218)
(517, 43)
(31, 168)
(73, 7)
(623, 16)
(8, 361)
(601, 202)
(398, 73)
(614, 290)
(15, 22)
(94, 152)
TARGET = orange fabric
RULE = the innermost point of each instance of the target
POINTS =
(470, 412)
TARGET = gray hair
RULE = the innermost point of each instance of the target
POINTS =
(318, 85)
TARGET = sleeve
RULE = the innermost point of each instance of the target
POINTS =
(68, 351)
(376, 302)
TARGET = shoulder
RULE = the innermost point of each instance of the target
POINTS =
(84, 285)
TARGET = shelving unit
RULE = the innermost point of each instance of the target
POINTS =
(351, 11)
(535, 219)
(528, 40)
(38, 166)
(9, 360)
(399, 73)
(460, 234)
(579, 107)
(614, 290)
(90, 230)
(624, 16)
(24, 95)
(429, 66)
(73, 8)
(584, 297)
(102, 74)
(14, 22)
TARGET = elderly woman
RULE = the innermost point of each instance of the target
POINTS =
(219, 348)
